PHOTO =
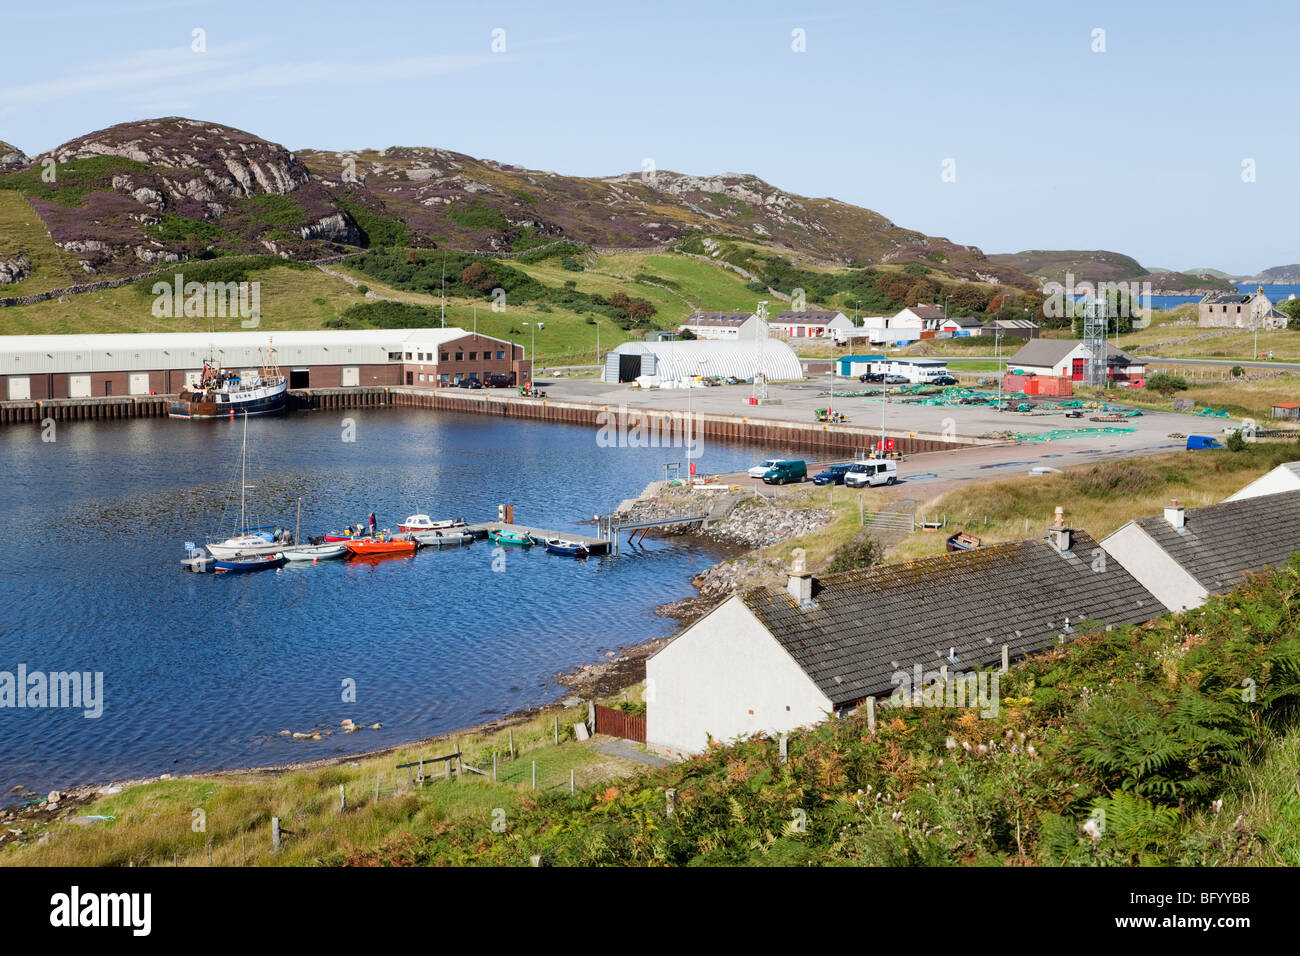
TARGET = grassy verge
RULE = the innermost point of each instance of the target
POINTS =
(155, 823)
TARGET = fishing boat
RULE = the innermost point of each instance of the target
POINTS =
(249, 541)
(518, 538)
(381, 545)
(425, 523)
(442, 539)
(259, 562)
(573, 549)
(225, 393)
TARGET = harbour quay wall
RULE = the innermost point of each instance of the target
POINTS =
(823, 437)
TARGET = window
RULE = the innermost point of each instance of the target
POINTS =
(473, 356)
(408, 356)
(394, 356)
(444, 357)
(460, 356)
(421, 376)
(501, 353)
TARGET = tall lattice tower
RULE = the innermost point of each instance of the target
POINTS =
(1095, 315)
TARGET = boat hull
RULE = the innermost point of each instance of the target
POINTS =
(274, 401)
(315, 553)
(244, 565)
(367, 547)
(506, 537)
(567, 548)
(437, 539)
(231, 551)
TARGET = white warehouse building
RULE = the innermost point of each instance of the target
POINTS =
(670, 363)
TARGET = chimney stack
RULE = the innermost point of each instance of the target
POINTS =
(800, 583)
(1175, 515)
(1058, 534)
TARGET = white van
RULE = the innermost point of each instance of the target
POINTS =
(758, 471)
(872, 472)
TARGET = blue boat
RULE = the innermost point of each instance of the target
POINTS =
(257, 562)
(572, 549)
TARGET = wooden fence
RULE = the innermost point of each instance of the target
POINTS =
(618, 723)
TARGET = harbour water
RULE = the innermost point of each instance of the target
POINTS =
(202, 671)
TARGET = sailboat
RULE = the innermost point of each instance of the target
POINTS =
(250, 542)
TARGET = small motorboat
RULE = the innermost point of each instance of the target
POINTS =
(315, 552)
(961, 541)
(442, 539)
(256, 562)
(573, 549)
(382, 544)
(518, 538)
(425, 523)
(347, 534)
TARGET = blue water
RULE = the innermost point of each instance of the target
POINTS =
(203, 671)
(1276, 293)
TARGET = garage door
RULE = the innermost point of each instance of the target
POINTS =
(139, 384)
(351, 375)
(79, 386)
(20, 388)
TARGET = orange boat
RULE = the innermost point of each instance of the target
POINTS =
(372, 546)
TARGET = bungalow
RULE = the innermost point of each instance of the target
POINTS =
(771, 659)
(725, 326)
(1183, 556)
(1069, 358)
(925, 317)
(1285, 477)
(810, 325)
(959, 326)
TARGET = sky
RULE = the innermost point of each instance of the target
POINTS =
(1166, 131)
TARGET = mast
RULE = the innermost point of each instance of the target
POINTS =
(243, 464)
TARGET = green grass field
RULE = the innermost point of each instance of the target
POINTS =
(21, 230)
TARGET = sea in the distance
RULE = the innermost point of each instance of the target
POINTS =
(1275, 292)
(204, 671)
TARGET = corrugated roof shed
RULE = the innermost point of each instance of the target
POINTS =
(1220, 543)
(869, 623)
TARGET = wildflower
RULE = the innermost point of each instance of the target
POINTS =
(965, 745)
(1217, 806)
(950, 744)
(1031, 751)
(983, 749)
(1093, 829)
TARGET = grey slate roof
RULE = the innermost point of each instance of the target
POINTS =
(927, 311)
(1045, 352)
(718, 318)
(965, 321)
(869, 623)
(1219, 543)
(809, 316)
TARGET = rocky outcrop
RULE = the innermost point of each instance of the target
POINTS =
(11, 157)
(14, 270)
(335, 228)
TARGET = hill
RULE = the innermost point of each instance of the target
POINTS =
(1096, 265)
(1285, 275)
(132, 196)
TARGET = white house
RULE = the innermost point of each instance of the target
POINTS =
(1285, 477)
(1182, 557)
(726, 326)
(772, 659)
(1069, 358)
(925, 317)
(811, 324)
(961, 325)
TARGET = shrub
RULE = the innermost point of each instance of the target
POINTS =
(1235, 442)
(1238, 371)
(571, 264)
(363, 289)
(1166, 384)
(861, 552)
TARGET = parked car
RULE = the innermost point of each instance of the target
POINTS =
(897, 380)
(497, 380)
(469, 383)
(871, 377)
(943, 380)
(833, 475)
(876, 471)
(758, 471)
(784, 472)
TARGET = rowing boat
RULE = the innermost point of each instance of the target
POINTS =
(518, 538)
(572, 549)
